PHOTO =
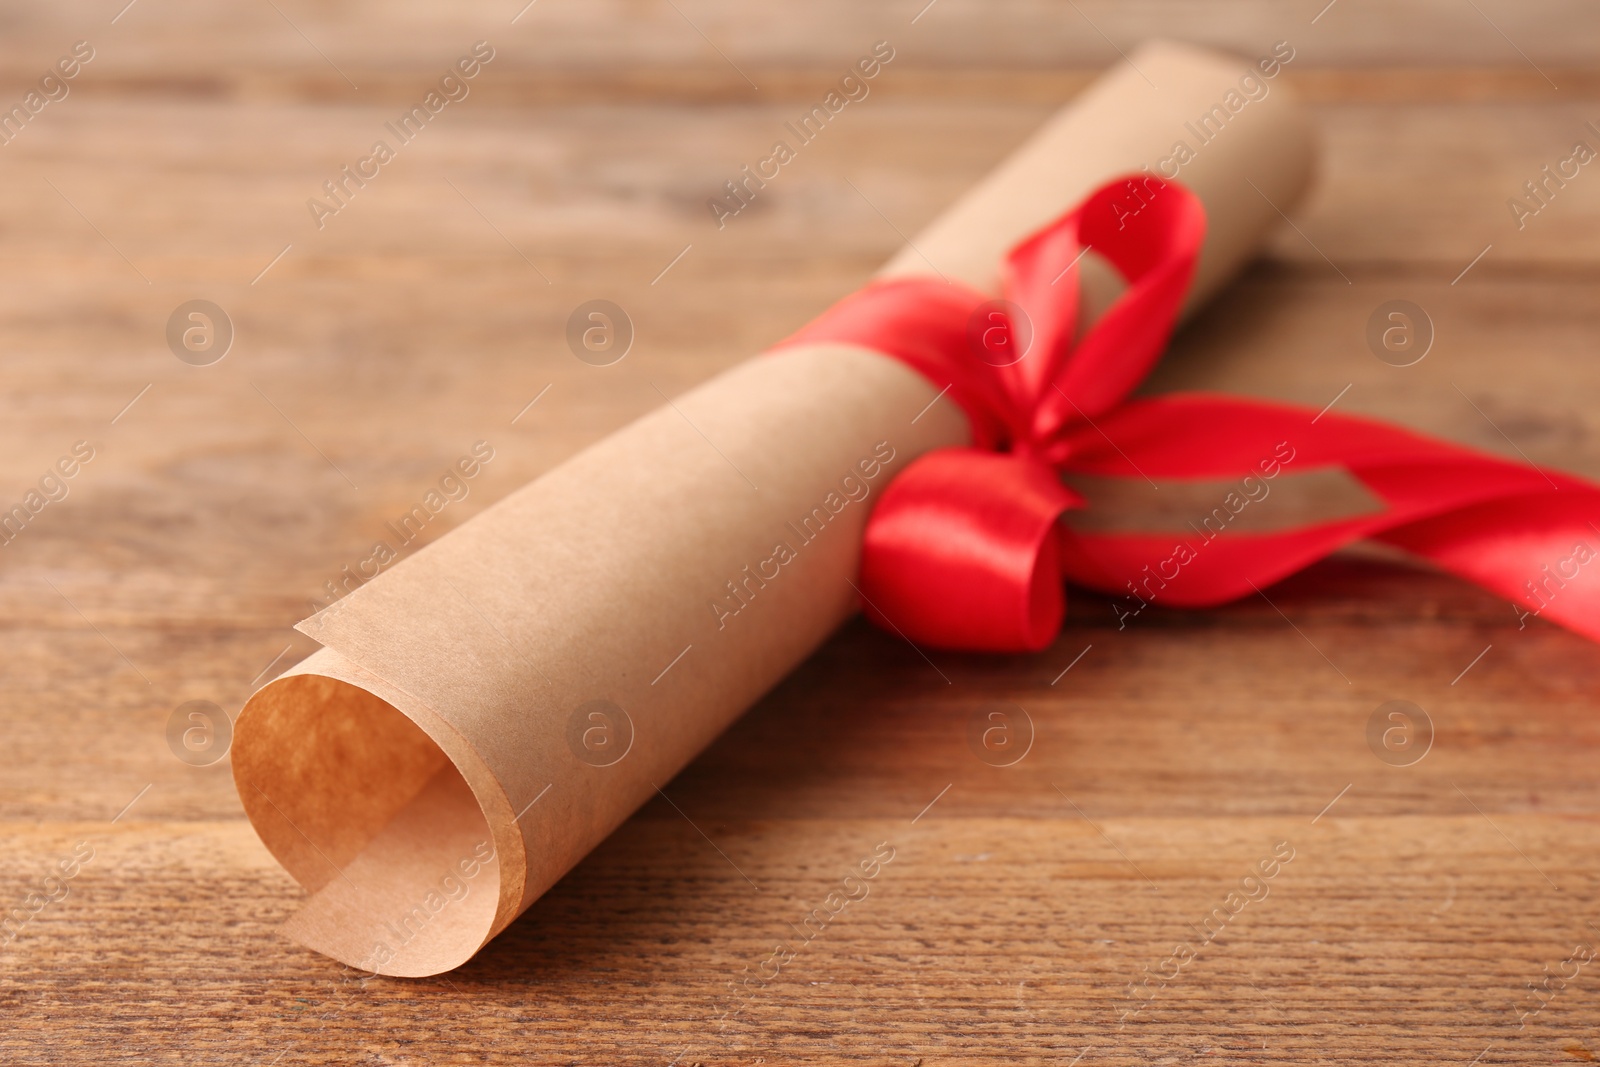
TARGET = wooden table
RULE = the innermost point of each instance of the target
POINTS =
(1022, 902)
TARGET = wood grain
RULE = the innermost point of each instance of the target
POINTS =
(1022, 903)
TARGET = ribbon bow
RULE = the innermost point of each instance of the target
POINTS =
(965, 550)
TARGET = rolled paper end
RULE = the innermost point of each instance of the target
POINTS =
(961, 552)
(390, 833)
(479, 719)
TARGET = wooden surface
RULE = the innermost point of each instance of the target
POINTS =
(1022, 902)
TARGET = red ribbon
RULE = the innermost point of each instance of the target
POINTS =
(965, 550)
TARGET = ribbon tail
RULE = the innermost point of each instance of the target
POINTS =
(1539, 551)
(1520, 532)
(961, 552)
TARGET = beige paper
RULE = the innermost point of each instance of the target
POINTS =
(486, 712)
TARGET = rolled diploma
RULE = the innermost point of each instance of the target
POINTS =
(484, 714)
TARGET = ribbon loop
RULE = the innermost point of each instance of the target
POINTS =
(961, 552)
(1151, 231)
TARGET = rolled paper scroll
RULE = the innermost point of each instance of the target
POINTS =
(486, 712)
